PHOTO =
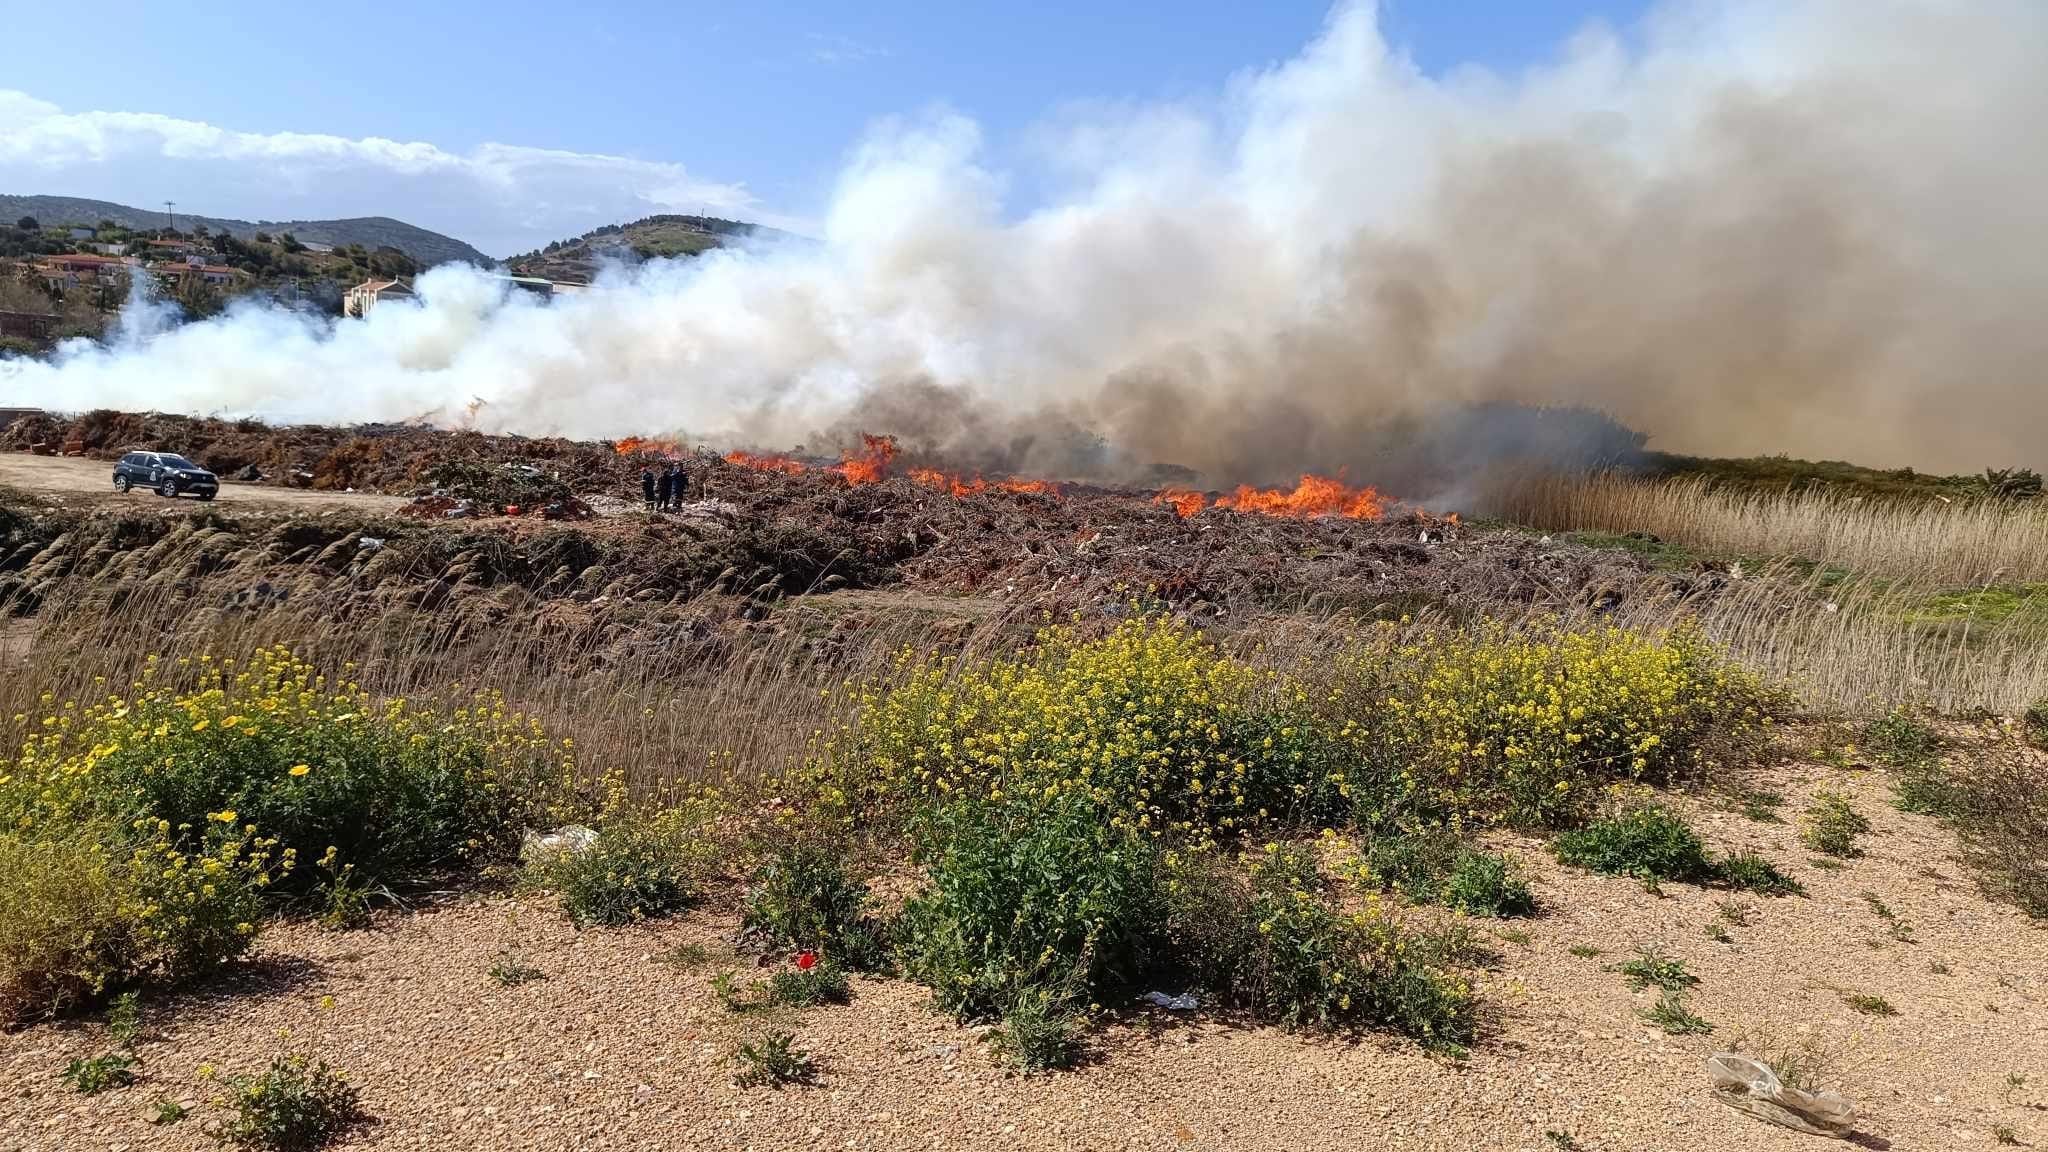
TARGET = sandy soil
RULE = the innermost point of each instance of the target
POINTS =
(619, 1048)
(76, 482)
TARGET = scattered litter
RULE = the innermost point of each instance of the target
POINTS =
(1748, 1086)
(438, 508)
(1185, 1002)
(711, 510)
(369, 544)
(568, 508)
(568, 840)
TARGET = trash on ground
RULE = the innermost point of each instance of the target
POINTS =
(568, 840)
(1748, 1086)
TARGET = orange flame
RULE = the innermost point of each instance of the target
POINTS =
(868, 465)
(1031, 487)
(946, 482)
(782, 464)
(1313, 496)
(962, 487)
(633, 445)
(1185, 502)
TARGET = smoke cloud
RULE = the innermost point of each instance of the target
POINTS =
(1809, 226)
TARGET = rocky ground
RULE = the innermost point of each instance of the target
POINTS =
(623, 1045)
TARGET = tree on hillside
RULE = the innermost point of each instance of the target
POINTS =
(27, 224)
(198, 298)
(392, 264)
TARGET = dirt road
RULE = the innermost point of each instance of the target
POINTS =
(77, 482)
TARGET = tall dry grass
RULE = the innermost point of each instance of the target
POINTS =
(1860, 647)
(679, 701)
(731, 709)
(1964, 543)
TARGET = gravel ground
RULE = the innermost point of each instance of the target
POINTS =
(621, 1046)
(89, 483)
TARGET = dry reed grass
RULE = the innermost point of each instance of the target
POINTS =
(1860, 646)
(732, 711)
(1965, 543)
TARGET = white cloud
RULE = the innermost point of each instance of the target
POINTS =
(830, 49)
(503, 198)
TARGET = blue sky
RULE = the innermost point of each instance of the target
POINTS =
(743, 109)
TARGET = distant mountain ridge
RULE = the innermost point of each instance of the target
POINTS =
(372, 232)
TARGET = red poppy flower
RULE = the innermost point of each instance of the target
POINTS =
(806, 960)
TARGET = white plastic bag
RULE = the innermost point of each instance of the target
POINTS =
(568, 840)
(1747, 1086)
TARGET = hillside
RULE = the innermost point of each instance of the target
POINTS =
(372, 232)
(650, 238)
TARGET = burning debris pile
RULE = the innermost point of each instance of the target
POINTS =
(767, 526)
(1313, 496)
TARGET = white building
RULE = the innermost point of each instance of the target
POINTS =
(358, 300)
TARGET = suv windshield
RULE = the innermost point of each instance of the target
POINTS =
(171, 461)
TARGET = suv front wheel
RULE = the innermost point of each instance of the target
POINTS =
(168, 488)
(121, 484)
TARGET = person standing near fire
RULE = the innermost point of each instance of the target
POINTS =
(647, 486)
(667, 488)
(682, 485)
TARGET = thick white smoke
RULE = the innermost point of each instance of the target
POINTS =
(1812, 226)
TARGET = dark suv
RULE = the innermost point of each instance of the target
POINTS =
(168, 473)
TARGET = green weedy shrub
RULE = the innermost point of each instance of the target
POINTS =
(1899, 741)
(90, 1077)
(136, 833)
(1028, 895)
(2035, 723)
(1754, 873)
(1927, 789)
(88, 909)
(643, 864)
(1268, 940)
(1652, 968)
(1648, 841)
(1040, 1031)
(1433, 866)
(1487, 884)
(393, 790)
(1831, 825)
(1912, 751)
(802, 898)
(1526, 726)
(773, 1060)
(823, 983)
(293, 1106)
(1148, 722)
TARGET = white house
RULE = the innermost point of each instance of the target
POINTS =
(358, 300)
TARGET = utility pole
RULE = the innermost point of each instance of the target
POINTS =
(170, 215)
